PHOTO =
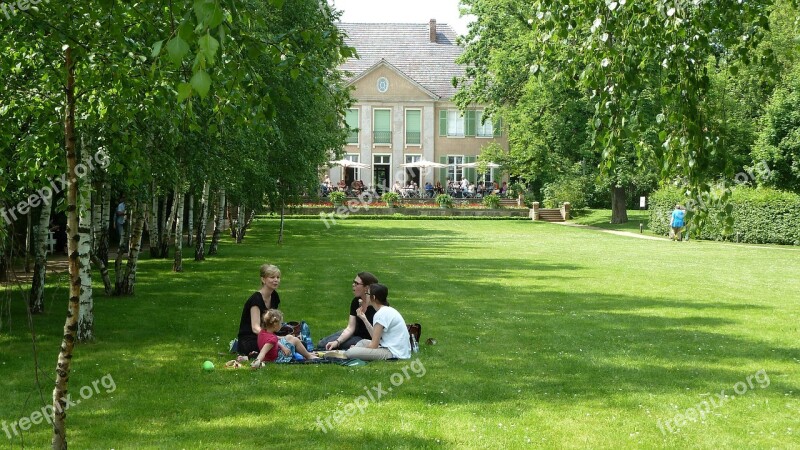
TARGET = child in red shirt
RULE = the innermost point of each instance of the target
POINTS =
(269, 342)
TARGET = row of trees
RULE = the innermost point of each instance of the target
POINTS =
(216, 103)
(621, 96)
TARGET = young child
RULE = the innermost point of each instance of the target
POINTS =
(274, 348)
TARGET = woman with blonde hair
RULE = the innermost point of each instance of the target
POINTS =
(262, 300)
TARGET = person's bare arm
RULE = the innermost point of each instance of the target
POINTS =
(377, 333)
(255, 319)
(261, 355)
(346, 334)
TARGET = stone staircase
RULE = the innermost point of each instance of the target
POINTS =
(550, 215)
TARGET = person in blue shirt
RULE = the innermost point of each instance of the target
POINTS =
(677, 222)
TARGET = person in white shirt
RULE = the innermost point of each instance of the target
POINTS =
(388, 329)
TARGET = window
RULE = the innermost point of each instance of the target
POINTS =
(351, 118)
(351, 173)
(485, 129)
(455, 123)
(413, 127)
(454, 170)
(382, 127)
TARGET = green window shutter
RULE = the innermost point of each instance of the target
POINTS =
(469, 125)
(498, 130)
(413, 126)
(470, 173)
(442, 122)
(443, 171)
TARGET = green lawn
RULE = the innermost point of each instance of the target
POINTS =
(601, 218)
(548, 336)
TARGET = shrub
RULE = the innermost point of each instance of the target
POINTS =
(491, 201)
(444, 200)
(760, 216)
(390, 197)
(337, 197)
(568, 189)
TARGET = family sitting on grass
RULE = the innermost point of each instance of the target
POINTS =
(374, 329)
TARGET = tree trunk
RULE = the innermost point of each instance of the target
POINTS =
(28, 242)
(86, 303)
(3, 259)
(219, 220)
(618, 212)
(129, 278)
(105, 223)
(190, 223)
(41, 234)
(177, 264)
(152, 223)
(200, 246)
(68, 341)
(167, 232)
(163, 229)
(240, 224)
(233, 222)
(103, 273)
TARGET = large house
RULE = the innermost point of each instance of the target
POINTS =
(404, 110)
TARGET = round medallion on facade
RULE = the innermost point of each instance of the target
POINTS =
(383, 84)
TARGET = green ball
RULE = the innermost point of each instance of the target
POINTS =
(208, 366)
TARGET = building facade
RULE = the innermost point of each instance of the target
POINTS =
(404, 111)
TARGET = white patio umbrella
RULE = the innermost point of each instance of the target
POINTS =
(424, 164)
(347, 163)
(489, 165)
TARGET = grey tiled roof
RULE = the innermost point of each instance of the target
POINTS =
(407, 46)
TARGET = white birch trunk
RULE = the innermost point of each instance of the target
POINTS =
(128, 283)
(41, 233)
(163, 230)
(177, 264)
(28, 242)
(190, 224)
(166, 237)
(85, 332)
(152, 223)
(200, 250)
(105, 222)
(219, 223)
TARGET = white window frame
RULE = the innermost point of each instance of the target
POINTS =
(455, 117)
(485, 130)
(457, 168)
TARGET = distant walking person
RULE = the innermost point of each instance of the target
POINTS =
(677, 222)
(120, 222)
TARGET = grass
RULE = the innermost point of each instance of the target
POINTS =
(601, 218)
(548, 336)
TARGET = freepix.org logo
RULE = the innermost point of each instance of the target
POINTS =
(57, 185)
(9, 9)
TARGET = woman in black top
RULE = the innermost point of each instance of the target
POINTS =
(258, 303)
(356, 330)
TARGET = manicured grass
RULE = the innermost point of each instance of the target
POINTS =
(601, 218)
(548, 336)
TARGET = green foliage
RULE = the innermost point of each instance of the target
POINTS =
(492, 201)
(614, 53)
(444, 200)
(571, 188)
(337, 197)
(760, 216)
(390, 197)
(778, 143)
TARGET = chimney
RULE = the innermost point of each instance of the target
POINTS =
(433, 30)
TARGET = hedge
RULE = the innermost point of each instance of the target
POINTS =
(760, 216)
